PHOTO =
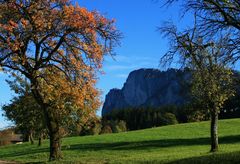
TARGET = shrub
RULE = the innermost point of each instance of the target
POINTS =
(118, 126)
(197, 116)
(91, 127)
(121, 126)
(96, 129)
(106, 129)
(169, 119)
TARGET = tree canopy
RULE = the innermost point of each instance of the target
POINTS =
(59, 47)
(209, 64)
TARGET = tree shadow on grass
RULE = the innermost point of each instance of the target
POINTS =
(138, 145)
(24, 152)
(143, 145)
(215, 158)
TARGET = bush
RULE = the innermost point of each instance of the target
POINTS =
(96, 129)
(106, 129)
(92, 127)
(169, 119)
(197, 116)
(118, 126)
(121, 126)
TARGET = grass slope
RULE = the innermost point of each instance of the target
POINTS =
(182, 143)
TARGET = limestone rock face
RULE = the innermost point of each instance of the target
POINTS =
(149, 87)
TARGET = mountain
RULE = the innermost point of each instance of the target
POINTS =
(149, 87)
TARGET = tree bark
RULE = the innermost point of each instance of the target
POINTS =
(26, 137)
(40, 139)
(31, 137)
(55, 141)
(52, 125)
(214, 131)
(54, 134)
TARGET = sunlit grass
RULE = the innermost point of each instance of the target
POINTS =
(183, 143)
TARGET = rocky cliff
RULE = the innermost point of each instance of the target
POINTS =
(149, 87)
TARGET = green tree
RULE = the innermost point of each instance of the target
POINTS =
(24, 110)
(212, 79)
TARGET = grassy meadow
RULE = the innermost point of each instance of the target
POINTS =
(182, 143)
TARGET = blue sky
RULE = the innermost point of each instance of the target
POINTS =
(141, 47)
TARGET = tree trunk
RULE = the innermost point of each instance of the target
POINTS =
(54, 134)
(55, 142)
(31, 137)
(51, 122)
(40, 140)
(26, 137)
(214, 131)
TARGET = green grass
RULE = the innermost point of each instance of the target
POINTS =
(182, 143)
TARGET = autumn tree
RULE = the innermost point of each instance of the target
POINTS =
(212, 78)
(59, 48)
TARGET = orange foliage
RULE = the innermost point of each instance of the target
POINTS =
(59, 47)
(70, 95)
(81, 28)
(70, 37)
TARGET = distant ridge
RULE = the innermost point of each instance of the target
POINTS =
(149, 87)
